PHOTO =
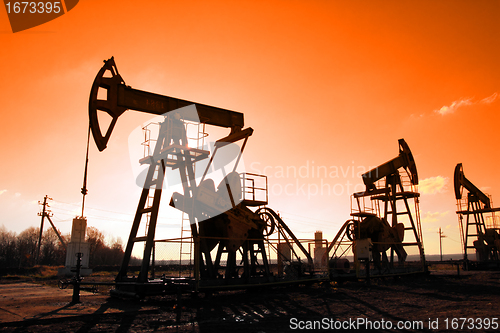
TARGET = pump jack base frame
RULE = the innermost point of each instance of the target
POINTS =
(472, 265)
(412, 268)
(171, 286)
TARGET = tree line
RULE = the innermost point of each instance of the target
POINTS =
(21, 250)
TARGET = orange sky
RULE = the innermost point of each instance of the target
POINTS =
(323, 83)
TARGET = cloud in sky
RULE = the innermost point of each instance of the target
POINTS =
(465, 102)
(2, 191)
(433, 185)
(490, 99)
(454, 106)
(430, 217)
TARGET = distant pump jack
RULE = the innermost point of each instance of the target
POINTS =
(476, 234)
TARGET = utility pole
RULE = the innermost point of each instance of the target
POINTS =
(45, 212)
(441, 236)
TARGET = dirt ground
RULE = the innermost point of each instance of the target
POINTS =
(430, 303)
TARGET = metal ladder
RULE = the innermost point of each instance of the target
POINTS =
(147, 211)
(186, 240)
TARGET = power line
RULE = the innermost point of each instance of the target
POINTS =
(104, 210)
(108, 218)
(304, 217)
(61, 220)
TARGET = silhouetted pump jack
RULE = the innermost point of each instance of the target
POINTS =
(220, 218)
(476, 234)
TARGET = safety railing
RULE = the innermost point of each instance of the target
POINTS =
(254, 188)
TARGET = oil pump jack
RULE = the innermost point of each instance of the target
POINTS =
(475, 233)
(382, 220)
(220, 219)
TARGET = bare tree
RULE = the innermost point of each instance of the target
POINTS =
(52, 251)
(97, 246)
(21, 251)
(27, 246)
(8, 248)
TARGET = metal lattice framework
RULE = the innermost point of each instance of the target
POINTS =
(385, 217)
(474, 209)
